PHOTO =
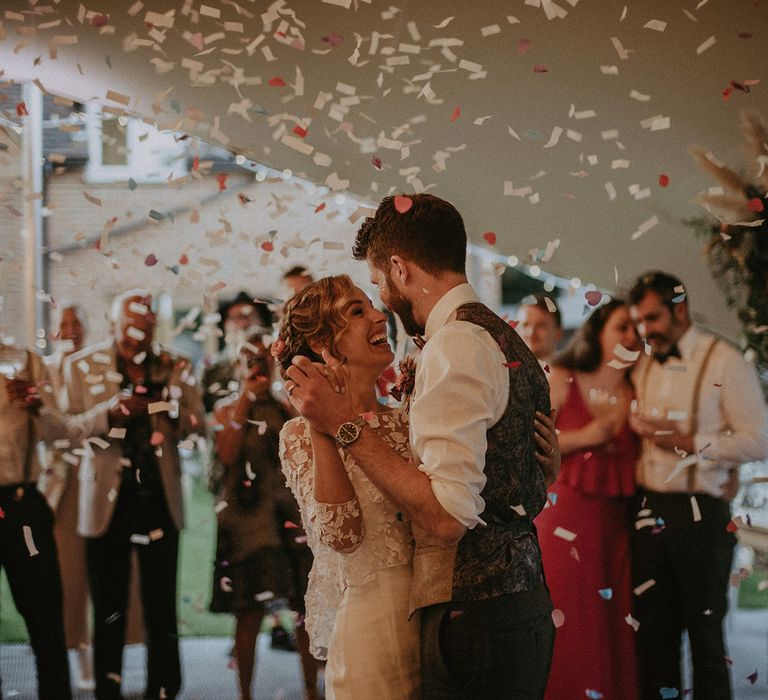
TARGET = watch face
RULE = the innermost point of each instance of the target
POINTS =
(348, 433)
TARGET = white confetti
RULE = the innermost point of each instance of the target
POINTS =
(643, 587)
(709, 43)
(695, 509)
(656, 24)
(554, 137)
(29, 541)
(564, 534)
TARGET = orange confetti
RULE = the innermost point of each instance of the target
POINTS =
(455, 115)
(268, 246)
(663, 180)
(319, 208)
(184, 260)
(277, 81)
(157, 439)
(222, 180)
(301, 133)
(490, 237)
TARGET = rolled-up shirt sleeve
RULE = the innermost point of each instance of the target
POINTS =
(461, 390)
(742, 435)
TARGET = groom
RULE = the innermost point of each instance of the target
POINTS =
(486, 627)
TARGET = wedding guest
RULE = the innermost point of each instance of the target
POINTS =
(584, 531)
(239, 318)
(700, 415)
(27, 545)
(486, 627)
(257, 556)
(59, 483)
(297, 278)
(541, 327)
(141, 402)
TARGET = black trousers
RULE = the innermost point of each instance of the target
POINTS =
(495, 649)
(109, 562)
(35, 582)
(690, 563)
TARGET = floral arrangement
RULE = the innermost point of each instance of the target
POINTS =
(406, 380)
(736, 242)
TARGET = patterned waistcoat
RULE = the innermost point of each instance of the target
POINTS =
(503, 556)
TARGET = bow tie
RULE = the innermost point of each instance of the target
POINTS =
(419, 340)
(674, 351)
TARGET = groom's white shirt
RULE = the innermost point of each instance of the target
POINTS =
(461, 390)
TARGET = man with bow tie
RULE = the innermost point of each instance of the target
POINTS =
(700, 414)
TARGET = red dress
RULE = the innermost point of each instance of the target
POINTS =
(590, 577)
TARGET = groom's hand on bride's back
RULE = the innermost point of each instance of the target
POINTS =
(547, 445)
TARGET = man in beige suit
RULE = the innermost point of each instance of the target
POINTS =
(141, 402)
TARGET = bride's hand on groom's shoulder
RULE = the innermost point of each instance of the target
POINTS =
(318, 392)
(547, 445)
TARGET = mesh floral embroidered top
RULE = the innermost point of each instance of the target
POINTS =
(343, 558)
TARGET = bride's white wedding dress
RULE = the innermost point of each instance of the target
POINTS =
(357, 599)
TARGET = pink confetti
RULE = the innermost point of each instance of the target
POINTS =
(524, 45)
(288, 525)
(157, 438)
(538, 68)
(150, 260)
(376, 162)
(593, 297)
(403, 203)
(99, 20)
(490, 237)
(558, 617)
(333, 39)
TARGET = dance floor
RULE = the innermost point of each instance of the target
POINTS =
(207, 675)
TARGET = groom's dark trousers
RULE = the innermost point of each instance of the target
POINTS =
(495, 649)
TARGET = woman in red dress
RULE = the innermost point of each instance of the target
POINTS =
(584, 530)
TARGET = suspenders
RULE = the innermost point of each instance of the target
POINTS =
(694, 413)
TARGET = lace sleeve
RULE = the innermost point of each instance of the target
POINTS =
(326, 579)
(340, 525)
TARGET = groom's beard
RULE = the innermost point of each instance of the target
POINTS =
(404, 309)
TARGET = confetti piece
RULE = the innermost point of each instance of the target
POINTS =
(695, 509)
(139, 539)
(656, 25)
(669, 693)
(266, 595)
(524, 45)
(606, 593)
(564, 534)
(593, 694)
(538, 68)
(558, 617)
(593, 297)
(752, 677)
(157, 438)
(554, 137)
(117, 433)
(455, 114)
(160, 406)
(225, 583)
(643, 587)
(709, 43)
(221, 505)
(512, 365)
(277, 82)
(221, 178)
(268, 246)
(92, 199)
(403, 203)
(520, 510)
(490, 237)
(645, 227)
(756, 204)
(21, 109)
(150, 260)
(29, 541)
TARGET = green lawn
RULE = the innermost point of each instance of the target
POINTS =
(195, 571)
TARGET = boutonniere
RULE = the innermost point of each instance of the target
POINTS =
(406, 380)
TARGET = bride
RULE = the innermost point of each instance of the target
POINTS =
(357, 599)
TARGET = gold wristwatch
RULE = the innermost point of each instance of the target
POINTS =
(349, 432)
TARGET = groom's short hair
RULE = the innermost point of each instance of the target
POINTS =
(430, 233)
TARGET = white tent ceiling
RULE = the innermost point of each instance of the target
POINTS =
(466, 99)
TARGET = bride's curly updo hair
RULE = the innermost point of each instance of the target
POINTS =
(313, 316)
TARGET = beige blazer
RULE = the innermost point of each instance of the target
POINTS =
(92, 383)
